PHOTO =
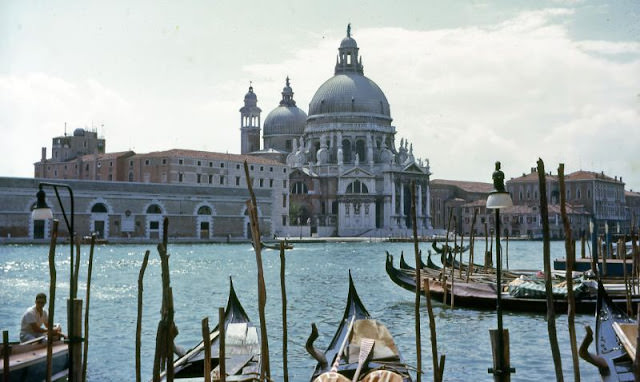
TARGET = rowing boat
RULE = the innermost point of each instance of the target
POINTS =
(242, 348)
(28, 360)
(362, 349)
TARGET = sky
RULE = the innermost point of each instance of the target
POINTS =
(469, 82)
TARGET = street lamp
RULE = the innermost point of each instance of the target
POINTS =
(499, 198)
(43, 212)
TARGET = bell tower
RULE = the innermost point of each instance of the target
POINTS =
(250, 123)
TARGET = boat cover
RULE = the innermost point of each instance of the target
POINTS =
(521, 287)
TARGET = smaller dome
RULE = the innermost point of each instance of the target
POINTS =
(78, 132)
(289, 120)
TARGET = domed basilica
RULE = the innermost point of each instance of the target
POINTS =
(347, 177)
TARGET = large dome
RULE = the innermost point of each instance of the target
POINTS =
(285, 120)
(352, 93)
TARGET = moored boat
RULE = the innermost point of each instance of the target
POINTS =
(608, 345)
(482, 294)
(362, 349)
(242, 348)
(608, 268)
(28, 360)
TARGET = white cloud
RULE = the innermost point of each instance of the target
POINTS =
(513, 91)
(34, 107)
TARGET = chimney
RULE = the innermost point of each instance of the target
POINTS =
(44, 154)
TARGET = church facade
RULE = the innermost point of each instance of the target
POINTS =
(347, 176)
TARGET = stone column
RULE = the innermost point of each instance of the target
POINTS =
(402, 204)
(428, 195)
(419, 206)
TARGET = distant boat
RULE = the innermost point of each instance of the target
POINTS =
(28, 360)
(614, 267)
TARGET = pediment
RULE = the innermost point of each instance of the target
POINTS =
(413, 168)
(357, 172)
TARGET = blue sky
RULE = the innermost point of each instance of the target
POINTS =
(469, 82)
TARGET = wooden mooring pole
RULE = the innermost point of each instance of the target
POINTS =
(52, 298)
(145, 261)
(262, 290)
(418, 279)
(85, 350)
(283, 292)
(569, 246)
(6, 349)
(551, 317)
(206, 344)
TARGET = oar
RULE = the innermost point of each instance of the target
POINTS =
(336, 363)
(366, 351)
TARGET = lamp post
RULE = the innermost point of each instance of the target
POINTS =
(499, 198)
(43, 212)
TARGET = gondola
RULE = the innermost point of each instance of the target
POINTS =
(242, 348)
(456, 248)
(482, 295)
(608, 345)
(345, 357)
(430, 264)
(28, 360)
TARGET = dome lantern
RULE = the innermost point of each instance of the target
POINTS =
(347, 60)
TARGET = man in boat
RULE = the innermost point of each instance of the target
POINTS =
(35, 321)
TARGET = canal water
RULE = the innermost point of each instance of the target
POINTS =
(317, 286)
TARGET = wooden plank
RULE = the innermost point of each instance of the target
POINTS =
(628, 334)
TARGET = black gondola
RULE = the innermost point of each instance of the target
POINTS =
(242, 347)
(456, 248)
(482, 295)
(340, 362)
(608, 345)
(429, 264)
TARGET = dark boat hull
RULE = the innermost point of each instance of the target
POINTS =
(614, 267)
(248, 356)
(608, 346)
(28, 362)
(483, 295)
(355, 311)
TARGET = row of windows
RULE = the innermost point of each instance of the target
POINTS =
(221, 180)
(356, 187)
(147, 162)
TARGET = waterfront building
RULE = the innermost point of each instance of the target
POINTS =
(589, 195)
(632, 201)
(452, 197)
(121, 211)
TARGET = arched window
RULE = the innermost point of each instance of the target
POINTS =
(299, 188)
(154, 209)
(99, 208)
(204, 210)
(346, 151)
(360, 149)
(357, 187)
